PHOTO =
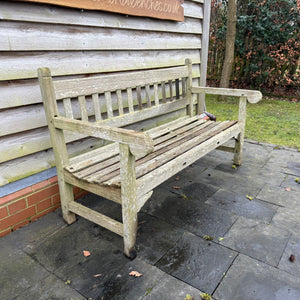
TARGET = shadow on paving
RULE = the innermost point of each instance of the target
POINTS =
(212, 228)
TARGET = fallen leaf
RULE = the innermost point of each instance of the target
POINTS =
(97, 275)
(68, 282)
(233, 167)
(86, 253)
(205, 296)
(297, 180)
(208, 237)
(249, 197)
(221, 239)
(177, 178)
(189, 297)
(183, 196)
(135, 274)
(176, 187)
(288, 189)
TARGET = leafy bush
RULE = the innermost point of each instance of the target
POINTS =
(267, 47)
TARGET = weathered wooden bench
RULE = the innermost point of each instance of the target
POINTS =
(127, 170)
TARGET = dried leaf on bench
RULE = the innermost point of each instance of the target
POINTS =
(135, 274)
(176, 187)
(97, 275)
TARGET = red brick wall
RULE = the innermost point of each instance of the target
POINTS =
(26, 205)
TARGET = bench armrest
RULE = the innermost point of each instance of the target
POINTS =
(140, 143)
(252, 96)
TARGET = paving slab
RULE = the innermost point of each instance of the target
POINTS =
(288, 218)
(50, 288)
(254, 154)
(198, 262)
(62, 254)
(287, 263)
(291, 184)
(225, 180)
(151, 283)
(253, 173)
(18, 272)
(36, 233)
(285, 160)
(242, 206)
(258, 240)
(171, 288)
(280, 196)
(249, 279)
(188, 211)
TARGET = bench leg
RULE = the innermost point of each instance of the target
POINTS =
(239, 143)
(238, 149)
(129, 228)
(66, 196)
(129, 200)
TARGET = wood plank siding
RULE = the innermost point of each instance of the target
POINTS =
(74, 42)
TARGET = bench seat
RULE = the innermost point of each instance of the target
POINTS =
(176, 140)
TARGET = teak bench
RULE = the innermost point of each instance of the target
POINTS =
(127, 170)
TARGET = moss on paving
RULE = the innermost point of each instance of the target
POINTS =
(271, 121)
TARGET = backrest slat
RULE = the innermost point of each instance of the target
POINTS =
(156, 99)
(148, 96)
(97, 108)
(120, 102)
(171, 89)
(183, 81)
(163, 87)
(68, 108)
(109, 109)
(130, 100)
(83, 110)
(139, 97)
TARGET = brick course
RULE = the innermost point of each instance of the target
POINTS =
(27, 205)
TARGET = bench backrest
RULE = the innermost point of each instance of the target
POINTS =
(119, 99)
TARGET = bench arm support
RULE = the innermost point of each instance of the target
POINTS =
(140, 143)
(252, 96)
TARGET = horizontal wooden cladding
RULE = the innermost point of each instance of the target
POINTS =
(71, 88)
(191, 9)
(59, 15)
(24, 65)
(23, 36)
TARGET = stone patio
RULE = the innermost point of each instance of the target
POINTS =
(212, 228)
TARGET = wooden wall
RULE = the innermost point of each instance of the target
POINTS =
(76, 42)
